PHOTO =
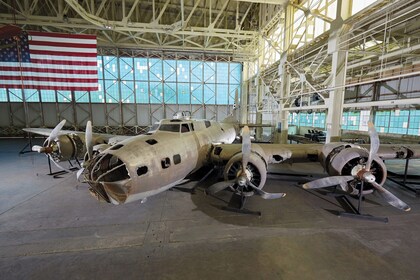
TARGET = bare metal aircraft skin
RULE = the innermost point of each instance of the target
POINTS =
(122, 169)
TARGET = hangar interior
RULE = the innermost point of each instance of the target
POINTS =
(306, 71)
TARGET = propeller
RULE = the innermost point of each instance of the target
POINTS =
(246, 147)
(364, 175)
(89, 149)
(47, 149)
(242, 179)
(88, 139)
(55, 131)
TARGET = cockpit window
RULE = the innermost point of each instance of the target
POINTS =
(185, 128)
(169, 127)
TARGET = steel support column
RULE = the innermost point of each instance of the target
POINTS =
(338, 72)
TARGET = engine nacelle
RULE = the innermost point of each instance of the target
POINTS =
(349, 159)
(68, 146)
(256, 171)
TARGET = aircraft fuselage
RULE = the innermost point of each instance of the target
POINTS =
(144, 165)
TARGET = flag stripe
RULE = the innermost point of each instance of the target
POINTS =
(52, 79)
(48, 83)
(69, 59)
(25, 66)
(62, 35)
(60, 53)
(74, 62)
(14, 70)
(62, 40)
(49, 87)
(79, 74)
(63, 48)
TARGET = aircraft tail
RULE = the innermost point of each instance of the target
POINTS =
(234, 115)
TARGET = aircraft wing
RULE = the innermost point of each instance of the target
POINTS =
(397, 151)
(293, 153)
(47, 131)
(272, 153)
(98, 137)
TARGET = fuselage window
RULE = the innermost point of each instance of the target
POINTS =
(185, 128)
(142, 170)
(207, 123)
(151, 141)
(166, 162)
(169, 127)
(192, 126)
(177, 159)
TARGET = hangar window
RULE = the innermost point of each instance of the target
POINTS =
(177, 159)
(166, 162)
(142, 170)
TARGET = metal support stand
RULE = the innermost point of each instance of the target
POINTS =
(202, 179)
(396, 178)
(237, 205)
(29, 144)
(57, 174)
(192, 190)
(355, 213)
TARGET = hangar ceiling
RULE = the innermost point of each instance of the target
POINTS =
(213, 26)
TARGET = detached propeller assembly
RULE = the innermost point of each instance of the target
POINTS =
(362, 174)
(243, 177)
(48, 147)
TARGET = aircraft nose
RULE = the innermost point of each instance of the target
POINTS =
(109, 175)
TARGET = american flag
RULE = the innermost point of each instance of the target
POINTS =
(51, 61)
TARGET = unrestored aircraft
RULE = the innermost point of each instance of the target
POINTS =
(122, 169)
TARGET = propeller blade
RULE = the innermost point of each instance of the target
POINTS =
(266, 195)
(327, 182)
(217, 187)
(55, 131)
(374, 144)
(88, 139)
(246, 147)
(391, 198)
(79, 174)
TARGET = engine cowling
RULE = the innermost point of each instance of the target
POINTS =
(348, 160)
(256, 171)
(67, 147)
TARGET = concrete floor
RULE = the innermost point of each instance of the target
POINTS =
(53, 229)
